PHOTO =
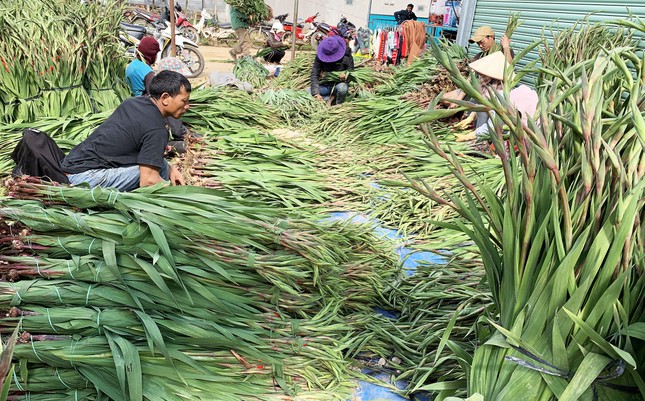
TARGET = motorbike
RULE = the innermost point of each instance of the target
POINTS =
(258, 34)
(304, 32)
(210, 28)
(182, 22)
(140, 16)
(148, 19)
(343, 28)
(187, 50)
(207, 25)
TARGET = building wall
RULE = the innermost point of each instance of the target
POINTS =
(389, 7)
(330, 11)
(214, 7)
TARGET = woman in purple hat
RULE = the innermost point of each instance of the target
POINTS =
(331, 56)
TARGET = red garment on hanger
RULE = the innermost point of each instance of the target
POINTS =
(381, 48)
(404, 45)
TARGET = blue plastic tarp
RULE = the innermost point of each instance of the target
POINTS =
(369, 391)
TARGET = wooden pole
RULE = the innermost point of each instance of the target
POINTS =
(294, 33)
(173, 49)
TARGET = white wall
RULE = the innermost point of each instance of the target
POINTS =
(357, 11)
(389, 7)
(330, 10)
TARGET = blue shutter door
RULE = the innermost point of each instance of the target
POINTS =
(546, 15)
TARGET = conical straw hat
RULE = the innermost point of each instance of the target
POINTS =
(491, 65)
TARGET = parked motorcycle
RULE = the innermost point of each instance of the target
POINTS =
(303, 32)
(182, 22)
(187, 50)
(207, 25)
(343, 28)
(148, 19)
(259, 34)
(211, 29)
(141, 16)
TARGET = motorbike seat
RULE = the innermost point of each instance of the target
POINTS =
(225, 25)
(136, 31)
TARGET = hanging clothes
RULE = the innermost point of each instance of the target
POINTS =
(391, 43)
(415, 31)
(395, 49)
(375, 43)
(363, 40)
(404, 44)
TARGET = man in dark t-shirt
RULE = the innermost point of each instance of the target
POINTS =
(405, 15)
(127, 151)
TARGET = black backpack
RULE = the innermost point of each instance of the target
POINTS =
(38, 155)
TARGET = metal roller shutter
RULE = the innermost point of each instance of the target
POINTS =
(539, 15)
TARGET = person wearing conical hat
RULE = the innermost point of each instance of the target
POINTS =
(484, 37)
(331, 56)
(491, 76)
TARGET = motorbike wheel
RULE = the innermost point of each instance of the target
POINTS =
(316, 38)
(191, 34)
(191, 56)
(257, 37)
(142, 22)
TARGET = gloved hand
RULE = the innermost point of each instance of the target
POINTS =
(465, 123)
(465, 137)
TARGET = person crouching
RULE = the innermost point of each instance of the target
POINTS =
(274, 44)
(127, 151)
(331, 56)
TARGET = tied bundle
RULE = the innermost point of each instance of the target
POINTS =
(255, 10)
(137, 295)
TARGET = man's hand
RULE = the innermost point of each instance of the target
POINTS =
(465, 137)
(505, 41)
(342, 76)
(319, 97)
(175, 176)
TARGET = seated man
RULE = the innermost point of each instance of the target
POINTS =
(331, 56)
(405, 15)
(127, 151)
(139, 74)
